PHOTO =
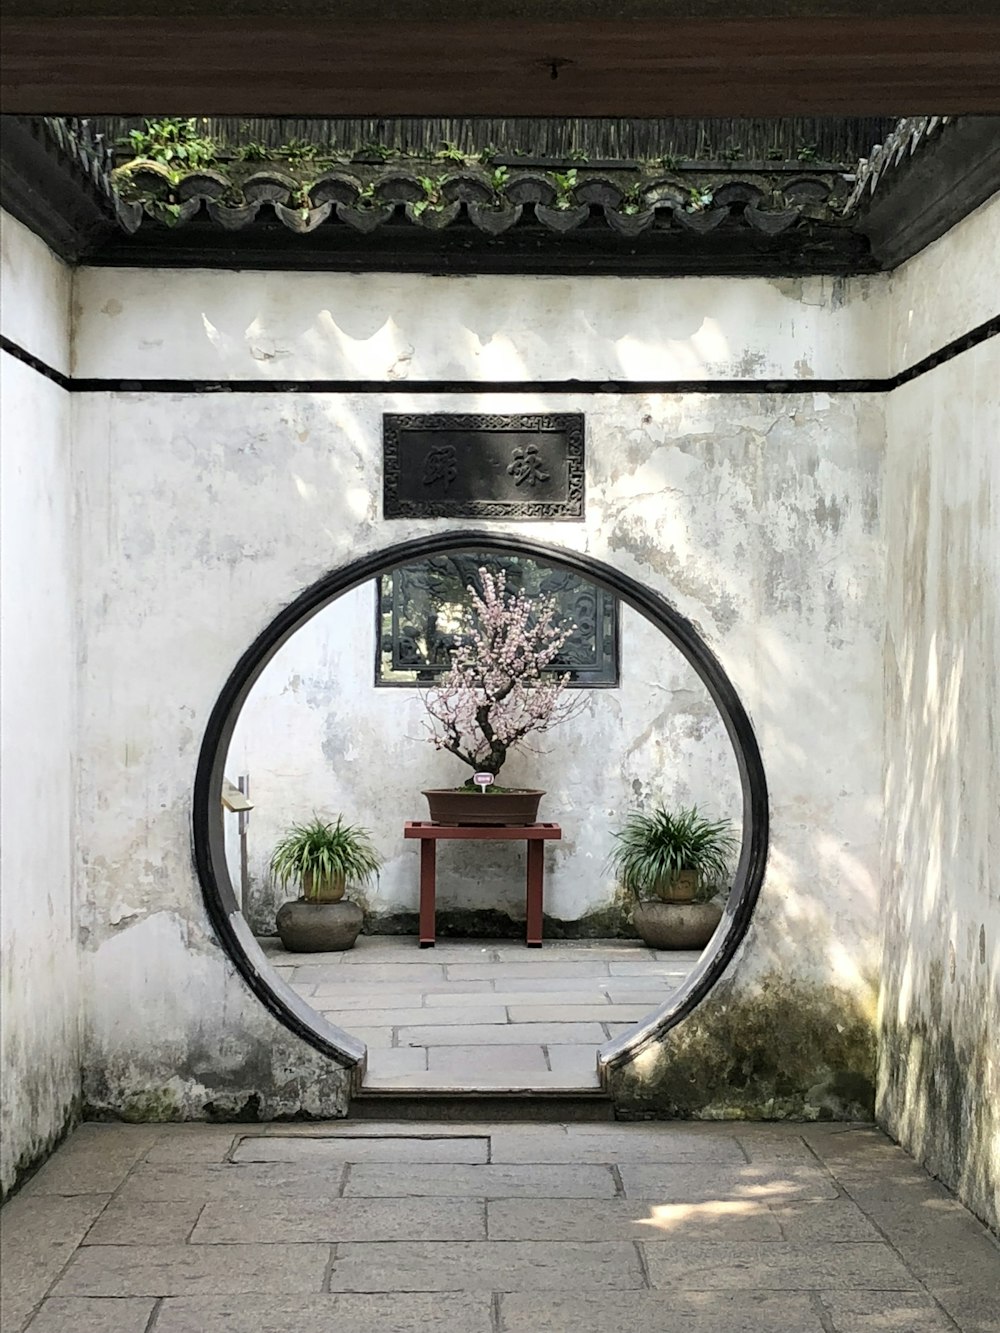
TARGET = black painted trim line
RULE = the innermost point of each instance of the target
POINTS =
(989, 329)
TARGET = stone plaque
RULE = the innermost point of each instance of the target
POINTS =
(453, 466)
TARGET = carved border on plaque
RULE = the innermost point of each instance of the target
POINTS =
(571, 424)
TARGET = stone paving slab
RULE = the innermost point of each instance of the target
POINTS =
(193, 1270)
(203, 1183)
(566, 1013)
(774, 1266)
(38, 1235)
(490, 1266)
(481, 1182)
(79, 1314)
(522, 1081)
(130, 1222)
(384, 973)
(501, 1034)
(451, 1016)
(613, 1143)
(580, 1060)
(883, 1312)
(416, 1313)
(336, 1220)
(686, 1183)
(372, 1036)
(366, 992)
(457, 995)
(626, 1219)
(660, 1312)
(180, 1147)
(95, 1160)
(379, 1148)
(555, 970)
(498, 1066)
(388, 1063)
(829, 1222)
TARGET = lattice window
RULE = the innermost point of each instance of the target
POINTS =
(422, 609)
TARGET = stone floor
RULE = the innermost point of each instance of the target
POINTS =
(357, 1227)
(483, 1014)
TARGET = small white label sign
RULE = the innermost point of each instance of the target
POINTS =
(483, 780)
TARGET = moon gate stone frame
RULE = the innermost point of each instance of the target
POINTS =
(208, 830)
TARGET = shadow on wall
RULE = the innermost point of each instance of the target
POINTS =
(941, 998)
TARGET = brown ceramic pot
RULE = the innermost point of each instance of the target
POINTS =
(676, 925)
(319, 927)
(460, 806)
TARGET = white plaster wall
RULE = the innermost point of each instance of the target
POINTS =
(939, 1086)
(39, 1018)
(946, 291)
(315, 734)
(756, 515)
(277, 326)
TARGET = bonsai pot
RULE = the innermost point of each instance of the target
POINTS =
(461, 806)
(318, 927)
(666, 925)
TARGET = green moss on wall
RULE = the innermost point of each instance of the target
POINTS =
(781, 1050)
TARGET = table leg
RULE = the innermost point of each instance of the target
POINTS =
(427, 878)
(536, 852)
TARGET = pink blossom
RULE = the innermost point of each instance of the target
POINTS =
(496, 693)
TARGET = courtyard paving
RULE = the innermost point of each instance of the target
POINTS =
(365, 1227)
(483, 1014)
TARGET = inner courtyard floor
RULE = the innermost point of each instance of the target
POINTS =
(369, 1227)
(483, 1014)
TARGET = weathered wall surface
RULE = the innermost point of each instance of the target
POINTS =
(755, 514)
(39, 1012)
(939, 1062)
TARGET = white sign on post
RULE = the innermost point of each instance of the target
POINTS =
(482, 781)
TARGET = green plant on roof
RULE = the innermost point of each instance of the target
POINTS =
(298, 150)
(731, 153)
(433, 198)
(499, 180)
(176, 142)
(670, 161)
(381, 152)
(654, 849)
(775, 154)
(698, 199)
(565, 183)
(254, 151)
(323, 856)
(578, 155)
(450, 152)
(808, 152)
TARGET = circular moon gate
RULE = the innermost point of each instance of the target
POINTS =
(209, 832)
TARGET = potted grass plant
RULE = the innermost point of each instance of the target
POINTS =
(322, 857)
(672, 863)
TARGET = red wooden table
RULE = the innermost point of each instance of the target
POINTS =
(535, 835)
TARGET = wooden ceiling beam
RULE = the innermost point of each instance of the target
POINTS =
(585, 67)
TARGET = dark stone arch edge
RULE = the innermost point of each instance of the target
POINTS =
(207, 819)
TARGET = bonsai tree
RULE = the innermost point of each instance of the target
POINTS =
(322, 857)
(500, 689)
(676, 857)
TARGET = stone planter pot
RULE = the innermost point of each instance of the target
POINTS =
(319, 927)
(458, 806)
(676, 925)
